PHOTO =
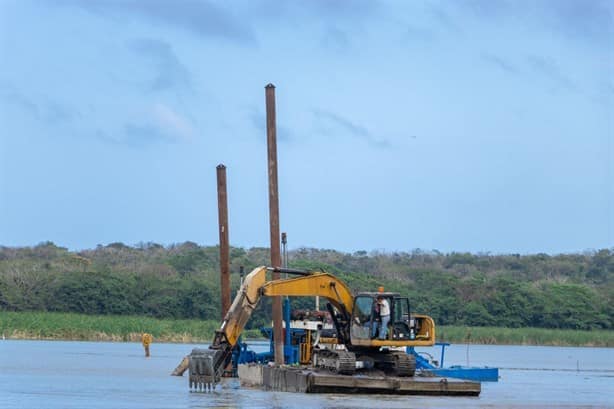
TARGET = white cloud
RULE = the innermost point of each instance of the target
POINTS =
(173, 123)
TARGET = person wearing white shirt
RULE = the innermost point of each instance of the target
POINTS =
(384, 312)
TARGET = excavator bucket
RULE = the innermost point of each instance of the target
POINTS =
(203, 375)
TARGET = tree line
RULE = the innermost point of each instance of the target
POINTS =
(573, 291)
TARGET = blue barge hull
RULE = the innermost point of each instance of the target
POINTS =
(430, 368)
(484, 374)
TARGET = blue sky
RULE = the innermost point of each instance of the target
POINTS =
(482, 126)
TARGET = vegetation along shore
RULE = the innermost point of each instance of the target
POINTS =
(115, 292)
(81, 327)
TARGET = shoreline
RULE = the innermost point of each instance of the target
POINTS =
(165, 340)
(54, 326)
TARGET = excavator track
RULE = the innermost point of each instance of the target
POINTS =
(396, 363)
(339, 361)
(403, 364)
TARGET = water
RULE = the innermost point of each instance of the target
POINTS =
(57, 374)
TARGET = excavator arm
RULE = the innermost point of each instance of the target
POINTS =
(311, 285)
(207, 365)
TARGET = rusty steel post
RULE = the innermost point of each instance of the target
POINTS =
(222, 205)
(271, 132)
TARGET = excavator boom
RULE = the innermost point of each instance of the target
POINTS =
(314, 284)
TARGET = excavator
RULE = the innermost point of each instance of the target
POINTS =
(354, 345)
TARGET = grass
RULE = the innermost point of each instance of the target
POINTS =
(66, 326)
(525, 336)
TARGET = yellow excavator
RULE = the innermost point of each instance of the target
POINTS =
(355, 327)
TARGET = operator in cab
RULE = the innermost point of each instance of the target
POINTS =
(384, 313)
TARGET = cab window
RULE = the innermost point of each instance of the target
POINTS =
(361, 321)
(401, 309)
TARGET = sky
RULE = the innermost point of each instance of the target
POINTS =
(469, 125)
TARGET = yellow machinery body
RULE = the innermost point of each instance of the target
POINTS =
(348, 311)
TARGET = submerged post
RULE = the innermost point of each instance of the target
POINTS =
(146, 340)
(222, 203)
(271, 131)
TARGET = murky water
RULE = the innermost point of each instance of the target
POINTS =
(47, 374)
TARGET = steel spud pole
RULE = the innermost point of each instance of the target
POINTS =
(271, 132)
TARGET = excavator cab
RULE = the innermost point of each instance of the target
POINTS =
(403, 329)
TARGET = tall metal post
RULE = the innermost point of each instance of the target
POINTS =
(222, 205)
(271, 132)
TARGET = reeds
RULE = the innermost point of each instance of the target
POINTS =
(525, 336)
(68, 326)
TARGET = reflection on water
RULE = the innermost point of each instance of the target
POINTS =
(55, 374)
